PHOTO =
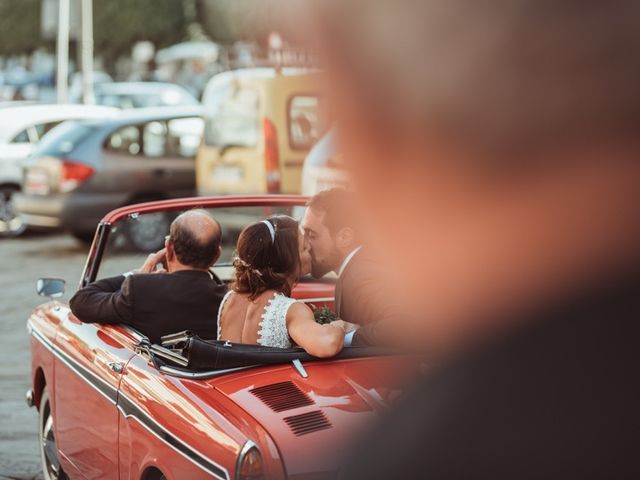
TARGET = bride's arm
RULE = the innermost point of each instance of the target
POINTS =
(318, 340)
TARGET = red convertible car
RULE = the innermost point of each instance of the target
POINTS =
(111, 405)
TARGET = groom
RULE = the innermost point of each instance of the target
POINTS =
(330, 228)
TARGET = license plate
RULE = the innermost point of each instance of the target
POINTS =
(227, 174)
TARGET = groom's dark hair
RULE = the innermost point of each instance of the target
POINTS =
(338, 206)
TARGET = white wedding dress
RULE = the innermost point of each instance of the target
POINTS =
(273, 327)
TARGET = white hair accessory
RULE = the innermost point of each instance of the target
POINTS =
(272, 230)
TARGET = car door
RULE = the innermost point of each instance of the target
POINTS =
(89, 366)
(168, 159)
(232, 159)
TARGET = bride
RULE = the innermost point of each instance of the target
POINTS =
(258, 309)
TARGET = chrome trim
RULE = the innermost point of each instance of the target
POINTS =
(169, 355)
(174, 372)
(29, 397)
(174, 339)
(248, 445)
(317, 299)
(138, 336)
(224, 472)
(297, 364)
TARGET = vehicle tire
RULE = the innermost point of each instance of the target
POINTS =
(51, 468)
(11, 224)
(146, 233)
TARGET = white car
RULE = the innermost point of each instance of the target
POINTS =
(21, 127)
(323, 167)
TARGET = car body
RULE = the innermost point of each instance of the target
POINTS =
(98, 77)
(142, 95)
(108, 409)
(323, 167)
(85, 169)
(259, 126)
(21, 128)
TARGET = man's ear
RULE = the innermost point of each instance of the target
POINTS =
(171, 253)
(217, 257)
(346, 239)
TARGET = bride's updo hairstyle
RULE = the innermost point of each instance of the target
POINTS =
(267, 256)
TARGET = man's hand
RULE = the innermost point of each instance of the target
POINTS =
(346, 326)
(152, 262)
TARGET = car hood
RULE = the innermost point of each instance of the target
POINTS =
(314, 420)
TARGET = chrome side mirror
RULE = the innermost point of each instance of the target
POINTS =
(50, 287)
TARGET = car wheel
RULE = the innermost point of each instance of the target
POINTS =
(51, 467)
(146, 233)
(11, 224)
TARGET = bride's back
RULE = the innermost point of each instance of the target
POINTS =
(254, 321)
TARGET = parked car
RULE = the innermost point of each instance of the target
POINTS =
(142, 95)
(323, 168)
(259, 126)
(109, 401)
(83, 169)
(75, 84)
(21, 128)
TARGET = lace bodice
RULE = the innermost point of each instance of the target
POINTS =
(273, 326)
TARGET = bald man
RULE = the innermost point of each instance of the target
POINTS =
(157, 301)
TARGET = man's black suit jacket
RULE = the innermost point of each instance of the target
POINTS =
(362, 297)
(155, 304)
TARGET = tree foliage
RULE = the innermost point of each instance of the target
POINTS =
(20, 27)
(117, 25)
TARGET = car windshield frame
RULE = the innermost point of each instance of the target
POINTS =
(104, 228)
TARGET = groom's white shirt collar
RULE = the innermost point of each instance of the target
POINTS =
(347, 260)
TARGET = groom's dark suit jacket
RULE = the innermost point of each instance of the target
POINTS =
(154, 304)
(362, 297)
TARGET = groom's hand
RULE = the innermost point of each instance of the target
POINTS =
(346, 326)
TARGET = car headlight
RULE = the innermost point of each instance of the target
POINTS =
(250, 465)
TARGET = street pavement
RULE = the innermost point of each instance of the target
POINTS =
(22, 261)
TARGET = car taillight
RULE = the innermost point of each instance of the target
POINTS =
(250, 466)
(271, 156)
(73, 174)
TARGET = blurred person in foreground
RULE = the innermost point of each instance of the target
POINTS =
(496, 144)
